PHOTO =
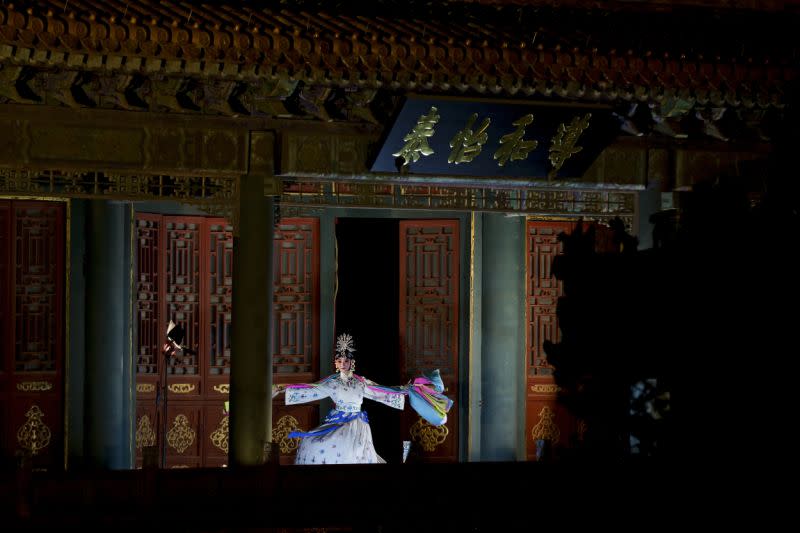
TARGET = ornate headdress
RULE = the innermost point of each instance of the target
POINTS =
(344, 346)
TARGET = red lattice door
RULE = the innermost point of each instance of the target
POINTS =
(295, 333)
(185, 274)
(545, 418)
(429, 289)
(32, 281)
(172, 271)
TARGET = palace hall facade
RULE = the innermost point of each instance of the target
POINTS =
(271, 174)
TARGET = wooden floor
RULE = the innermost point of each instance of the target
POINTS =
(419, 497)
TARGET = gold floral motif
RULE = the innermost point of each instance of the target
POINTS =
(145, 387)
(34, 435)
(223, 388)
(179, 466)
(181, 388)
(220, 436)
(145, 436)
(280, 433)
(427, 435)
(581, 429)
(29, 386)
(546, 428)
(181, 436)
(545, 388)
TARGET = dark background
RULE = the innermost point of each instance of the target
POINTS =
(367, 307)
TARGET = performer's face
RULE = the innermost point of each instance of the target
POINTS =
(342, 364)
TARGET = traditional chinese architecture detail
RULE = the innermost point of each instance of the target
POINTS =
(542, 293)
(467, 145)
(31, 386)
(254, 60)
(38, 246)
(562, 147)
(222, 388)
(150, 330)
(581, 430)
(295, 298)
(545, 388)
(428, 436)
(145, 435)
(219, 437)
(181, 435)
(145, 387)
(34, 435)
(219, 287)
(546, 429)
(181, 388)
(591, 205)
(416, 142)
(194, 190)
(280, 433)
(512, 145)
(183, 292)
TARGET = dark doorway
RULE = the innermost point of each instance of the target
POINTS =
(367, 303)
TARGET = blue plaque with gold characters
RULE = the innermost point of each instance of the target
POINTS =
(495, 138)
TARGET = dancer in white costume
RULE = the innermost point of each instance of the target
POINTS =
(345, 436)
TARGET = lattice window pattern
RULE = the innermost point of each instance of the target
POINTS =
(150, 331)
(35, 280)
(543, 291)
(220, 283)
(183, 290)
(295, 296)
(430, 302)
(5, 296)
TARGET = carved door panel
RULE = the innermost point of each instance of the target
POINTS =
(185, 273)
(6, 449)
(32, 241)
(545, 419)
(429, 290)
(295, 322)
(184, 432)
(170, 277)
(150, 330)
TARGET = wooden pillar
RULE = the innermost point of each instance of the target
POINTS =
(251, 361)
(108, 407)
(502, 338)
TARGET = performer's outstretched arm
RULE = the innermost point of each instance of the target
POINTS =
(391, 396)
(303, 392)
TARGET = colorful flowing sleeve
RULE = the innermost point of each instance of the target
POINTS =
(426, 397)
(307, 392)
(391, 396)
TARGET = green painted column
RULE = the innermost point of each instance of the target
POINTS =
(502, 337)
(108, 409)
(251, 361)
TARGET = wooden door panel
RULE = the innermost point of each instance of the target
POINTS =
(6, 342)
(33, 282)
(429, 298)
(286, 418)
(36, 425)
(544, 416)
(296, 301)
(216, 434)
(219, 309)
(184, 434)
(147, 430)
(185, 273)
